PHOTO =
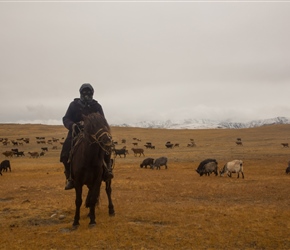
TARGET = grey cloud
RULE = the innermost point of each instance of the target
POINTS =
(145, 60)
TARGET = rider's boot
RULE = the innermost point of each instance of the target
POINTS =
(69, 181)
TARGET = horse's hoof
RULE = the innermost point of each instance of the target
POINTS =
(91, 225)
(111, 214)
(75, 227)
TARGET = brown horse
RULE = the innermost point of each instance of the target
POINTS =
(87, 163)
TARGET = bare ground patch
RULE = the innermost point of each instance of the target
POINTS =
(166, 209)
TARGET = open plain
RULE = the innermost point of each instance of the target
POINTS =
(155, 209)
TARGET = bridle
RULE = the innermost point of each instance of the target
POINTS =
(107, 149)
(97, 139)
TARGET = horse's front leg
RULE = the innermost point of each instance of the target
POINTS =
(92, 216)
(88, 201)
(109, 191)
(78, 203)
(94, 197)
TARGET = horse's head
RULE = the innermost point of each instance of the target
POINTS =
(97, 129)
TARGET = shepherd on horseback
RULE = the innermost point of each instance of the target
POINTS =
(73, 121)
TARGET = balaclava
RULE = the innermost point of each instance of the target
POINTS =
(86, 92)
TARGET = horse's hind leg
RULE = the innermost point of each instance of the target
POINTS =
(109, 191)
(92, 216)
(91, 207)
(90, 203)
(88, 199)
(78, 203)
(93, 199)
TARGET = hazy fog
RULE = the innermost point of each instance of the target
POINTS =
(146, 60)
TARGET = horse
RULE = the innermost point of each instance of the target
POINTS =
(87, 162)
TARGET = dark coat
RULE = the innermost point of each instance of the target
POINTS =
(74, 115)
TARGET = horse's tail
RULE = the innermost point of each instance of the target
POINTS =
(87, 204)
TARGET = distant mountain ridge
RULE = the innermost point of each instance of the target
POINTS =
(205, 124)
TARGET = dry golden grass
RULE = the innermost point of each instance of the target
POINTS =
(166, 209)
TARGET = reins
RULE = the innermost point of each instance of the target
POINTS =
(98, 141)
(78, 136)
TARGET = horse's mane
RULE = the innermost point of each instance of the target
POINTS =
(94, 122)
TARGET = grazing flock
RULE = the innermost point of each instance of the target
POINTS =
(205, 168)
(22, 142)
(208, 166)
(20, 145)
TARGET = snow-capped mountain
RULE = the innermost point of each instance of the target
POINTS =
(205, 124)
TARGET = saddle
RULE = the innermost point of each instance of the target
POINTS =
(77, 137)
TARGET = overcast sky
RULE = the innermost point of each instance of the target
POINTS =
(146, 60)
